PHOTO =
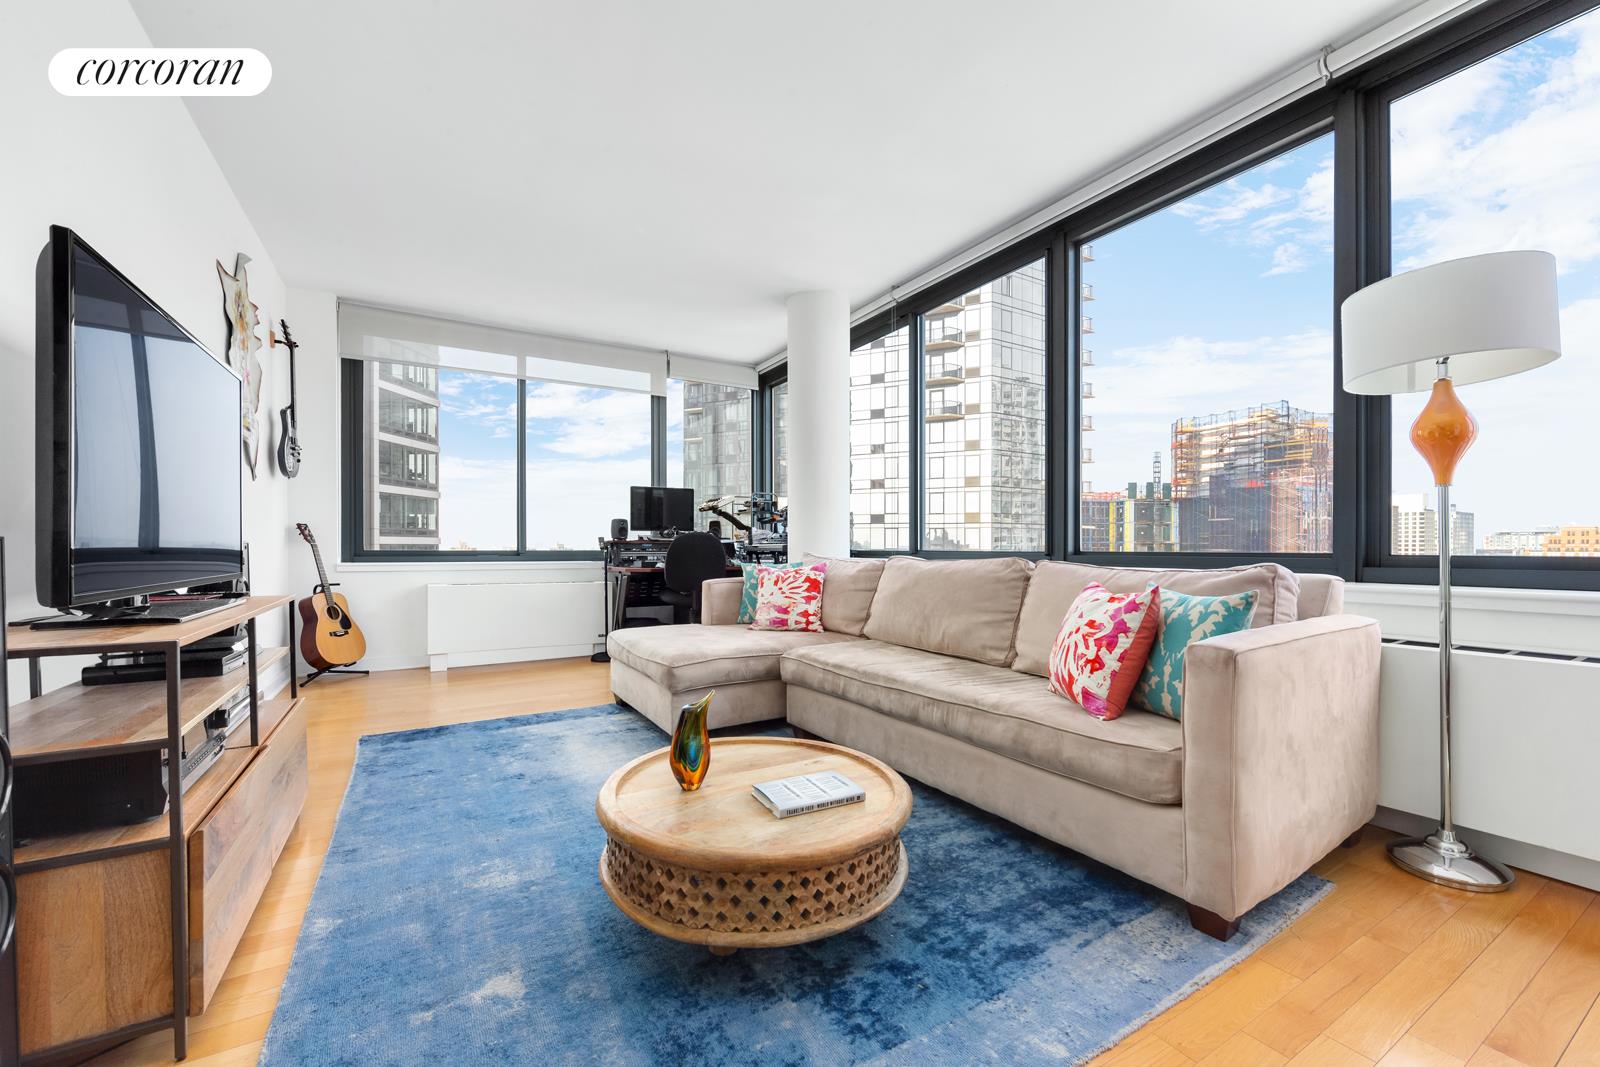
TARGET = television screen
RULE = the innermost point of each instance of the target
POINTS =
(153, 493)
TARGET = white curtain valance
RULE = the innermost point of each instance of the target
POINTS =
(380, 334)
(711, 372)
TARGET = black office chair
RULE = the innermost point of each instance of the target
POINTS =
(692, 558)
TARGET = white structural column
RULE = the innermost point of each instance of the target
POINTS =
(819, 424)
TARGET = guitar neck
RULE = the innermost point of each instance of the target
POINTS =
(322, 574)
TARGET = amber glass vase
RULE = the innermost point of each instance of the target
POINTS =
(690, 754)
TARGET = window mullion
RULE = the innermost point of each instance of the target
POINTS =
(522, 466)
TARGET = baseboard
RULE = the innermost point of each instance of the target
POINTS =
(1545, 861)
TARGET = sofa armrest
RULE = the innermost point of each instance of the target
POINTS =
(1280, 754)
(719, 601)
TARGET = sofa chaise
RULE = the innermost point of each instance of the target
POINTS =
(940, 667)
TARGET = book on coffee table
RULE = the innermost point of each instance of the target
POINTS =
(807, 792)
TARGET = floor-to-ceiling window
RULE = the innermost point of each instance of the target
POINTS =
(1206, 383)
(880, 443)
(1505, 154)
(983, 414)
(709, 442)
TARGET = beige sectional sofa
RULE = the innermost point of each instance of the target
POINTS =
(938, 668)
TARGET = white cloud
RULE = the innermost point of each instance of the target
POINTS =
(1293, 222)
(1484, 162)
(590, 423)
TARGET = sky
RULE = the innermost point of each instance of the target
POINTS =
(1225, 300)
(1222, 301)
(586, 446)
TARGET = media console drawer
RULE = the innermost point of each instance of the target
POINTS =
(232, 852)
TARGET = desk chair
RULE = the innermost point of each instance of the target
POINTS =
(692, 559)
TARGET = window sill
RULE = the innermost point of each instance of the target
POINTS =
(455, 566)
(1556, 621)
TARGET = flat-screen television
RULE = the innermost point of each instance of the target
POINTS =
(138, 483)
(660, 507)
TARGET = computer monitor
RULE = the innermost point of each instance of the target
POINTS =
(660, 507)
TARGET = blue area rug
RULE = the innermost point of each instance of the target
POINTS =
(459, 919)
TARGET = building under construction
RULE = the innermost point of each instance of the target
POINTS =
(1254, 480)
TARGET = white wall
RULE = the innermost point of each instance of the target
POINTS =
(389, 600)
(1524, 727)
(135, 179)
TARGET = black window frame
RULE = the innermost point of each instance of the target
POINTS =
(764, 422)
(1354, 107)
(352, 448)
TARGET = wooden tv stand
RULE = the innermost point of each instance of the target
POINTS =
(126, 930)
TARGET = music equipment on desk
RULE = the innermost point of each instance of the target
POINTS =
(768, 552)
(619, 529)
(288, 437)
(330, 640)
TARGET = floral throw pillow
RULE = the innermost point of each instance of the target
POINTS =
(1186, 619)
(1102, 646)
(747, 595)
(789, 598)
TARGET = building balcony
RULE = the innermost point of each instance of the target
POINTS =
(944, 310)
(1086, 291)
(1087, 358)
(1088, 390)
(941, 412)
(943, 339)
(1086, 253)
(1087, 326)
(943, 372)
(1087, 456)
(1087, 423)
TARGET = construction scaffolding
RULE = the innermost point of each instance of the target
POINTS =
(1258, 479)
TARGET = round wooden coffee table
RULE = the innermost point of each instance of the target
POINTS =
(716, 868)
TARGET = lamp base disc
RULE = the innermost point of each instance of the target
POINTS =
(1428, 857)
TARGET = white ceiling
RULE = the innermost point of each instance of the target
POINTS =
(665, 173)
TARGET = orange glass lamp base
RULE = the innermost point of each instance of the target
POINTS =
(1443, 432)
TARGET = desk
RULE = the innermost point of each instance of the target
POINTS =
(619, 581)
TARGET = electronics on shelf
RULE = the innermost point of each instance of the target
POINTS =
(210, 657)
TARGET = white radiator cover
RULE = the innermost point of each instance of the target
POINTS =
(1526, 733)
(471, 623)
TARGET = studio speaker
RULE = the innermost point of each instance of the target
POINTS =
(619, 529)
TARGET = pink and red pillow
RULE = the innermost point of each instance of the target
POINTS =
(789, 598)
(1102, 647)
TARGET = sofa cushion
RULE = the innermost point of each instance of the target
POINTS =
(847, 600)
(1320, 595)
(1056, 585)
(960, 607)
(1139, 755)
(695, 656)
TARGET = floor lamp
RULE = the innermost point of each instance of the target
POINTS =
(1454, 323)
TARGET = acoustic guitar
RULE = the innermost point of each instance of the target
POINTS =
(329, 636)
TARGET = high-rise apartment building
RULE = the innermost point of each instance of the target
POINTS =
(1516, 542)
(1414, 527)
(983, 414)
(716, 443)
(401, 479)
(1258, 479)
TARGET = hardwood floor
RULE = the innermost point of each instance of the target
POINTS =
(1386, 970)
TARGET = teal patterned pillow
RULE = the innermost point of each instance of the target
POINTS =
(747, 597)
(1185, 620)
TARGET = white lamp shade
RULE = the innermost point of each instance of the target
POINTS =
(1492, 315)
